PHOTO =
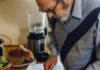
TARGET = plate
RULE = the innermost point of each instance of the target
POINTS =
(24, 64)
(39, 66)
(35, 66)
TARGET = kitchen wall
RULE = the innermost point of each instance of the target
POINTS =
(13, 20)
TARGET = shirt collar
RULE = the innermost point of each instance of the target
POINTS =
(77, 9)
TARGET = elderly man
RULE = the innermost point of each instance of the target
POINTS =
(64, 17)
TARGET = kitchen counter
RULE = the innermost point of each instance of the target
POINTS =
(58, 66)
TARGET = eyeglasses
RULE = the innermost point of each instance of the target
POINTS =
(51, 10)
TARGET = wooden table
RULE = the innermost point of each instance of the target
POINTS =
(23, 68)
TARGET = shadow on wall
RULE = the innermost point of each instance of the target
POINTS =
(14, 12)
(23, 36)
(2, 0)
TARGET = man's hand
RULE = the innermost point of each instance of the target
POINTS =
(49, 64)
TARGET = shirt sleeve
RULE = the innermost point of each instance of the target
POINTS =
(96, 64)
(98, 39)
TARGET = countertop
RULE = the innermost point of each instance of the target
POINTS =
(23, 68)
(58, 66)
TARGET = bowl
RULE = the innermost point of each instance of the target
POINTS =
(15, 56)
(18, 57)
(16, 60)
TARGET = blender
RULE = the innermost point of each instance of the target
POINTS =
(37, 33)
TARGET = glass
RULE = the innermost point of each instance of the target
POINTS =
(36, 21)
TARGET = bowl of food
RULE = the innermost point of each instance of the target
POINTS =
(4, 63)
(20, 56)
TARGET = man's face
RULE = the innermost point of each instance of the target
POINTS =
(54, 9)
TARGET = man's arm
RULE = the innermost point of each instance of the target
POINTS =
(52, 45)
(96, 64)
